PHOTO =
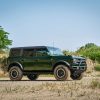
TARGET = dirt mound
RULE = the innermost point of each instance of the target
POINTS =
(90, 66)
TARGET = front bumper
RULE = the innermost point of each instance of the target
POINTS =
(79, 65)
(79, 68)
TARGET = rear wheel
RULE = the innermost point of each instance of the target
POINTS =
(15, 73)
(32, 76)
(61, 72)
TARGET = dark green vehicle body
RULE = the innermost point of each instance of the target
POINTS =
(40, 59)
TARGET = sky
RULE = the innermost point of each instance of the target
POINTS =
(67, 24)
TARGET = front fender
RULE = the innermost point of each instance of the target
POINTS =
(61, 62)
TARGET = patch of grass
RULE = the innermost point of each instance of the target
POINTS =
(97, 67)
(95, 84)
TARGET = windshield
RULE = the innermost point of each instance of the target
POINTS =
(55, 51)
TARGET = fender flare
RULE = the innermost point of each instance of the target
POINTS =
(61, 62)
(15, 63)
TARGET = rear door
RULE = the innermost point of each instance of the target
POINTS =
(28, 58)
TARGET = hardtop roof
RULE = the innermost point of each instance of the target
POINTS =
(28, 47)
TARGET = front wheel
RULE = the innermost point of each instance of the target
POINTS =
(61, 72)
(15, 73)
(77, 76)
(33, 76)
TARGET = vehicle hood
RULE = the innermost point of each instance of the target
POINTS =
(78, 57)
(68, 57)
(63, 57)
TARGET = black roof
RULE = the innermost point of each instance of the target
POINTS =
(26, 47)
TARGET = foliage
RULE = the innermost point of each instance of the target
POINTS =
(4, 41)
(95, 84)
(97, 67)
(91, 51)
(67, 52)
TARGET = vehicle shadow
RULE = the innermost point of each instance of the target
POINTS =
(34, 80)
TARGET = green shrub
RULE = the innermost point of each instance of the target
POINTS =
(97, 67)
(95, 84)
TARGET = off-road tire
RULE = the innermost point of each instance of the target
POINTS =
(78, 77)
(62, 73)
(15, 73)
(32, 77)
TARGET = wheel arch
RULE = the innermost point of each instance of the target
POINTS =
(63, 63)
(15, 64)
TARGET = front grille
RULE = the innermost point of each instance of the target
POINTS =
(81, 62)
(79, 68)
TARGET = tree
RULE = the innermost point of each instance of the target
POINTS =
(67, 52)
(91, 51)
(4, 41)
(89, 45)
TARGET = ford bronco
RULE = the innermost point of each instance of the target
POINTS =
(36, 60)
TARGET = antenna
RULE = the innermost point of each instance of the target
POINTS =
(53, 47)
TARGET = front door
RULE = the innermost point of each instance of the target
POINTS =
(43, 61)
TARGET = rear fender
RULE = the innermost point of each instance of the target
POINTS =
(15, 64)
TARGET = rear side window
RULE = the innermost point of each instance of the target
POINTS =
(28, 52)
(15, 52)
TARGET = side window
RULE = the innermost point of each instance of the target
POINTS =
(15, 52)
(28, 52)
(41, 52)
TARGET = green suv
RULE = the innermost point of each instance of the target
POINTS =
(36, 60)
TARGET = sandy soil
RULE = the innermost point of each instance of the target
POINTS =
(47, 88)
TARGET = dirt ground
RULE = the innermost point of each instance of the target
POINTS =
(47, 88)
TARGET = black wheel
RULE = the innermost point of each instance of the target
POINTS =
(61, 72)
(15, 73)
(77, 76)
(32, 76)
